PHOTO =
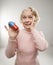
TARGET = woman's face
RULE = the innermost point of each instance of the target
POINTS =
(28, 19)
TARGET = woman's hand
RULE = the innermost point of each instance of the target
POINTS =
(12, 34)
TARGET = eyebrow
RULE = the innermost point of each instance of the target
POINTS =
(25, 15)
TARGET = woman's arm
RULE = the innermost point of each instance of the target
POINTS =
(12, 42)
(40, 41)
(11, 48)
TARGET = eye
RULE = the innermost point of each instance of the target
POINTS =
(24, 17)
(30, 17)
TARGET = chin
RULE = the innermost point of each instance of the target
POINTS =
(27, 26)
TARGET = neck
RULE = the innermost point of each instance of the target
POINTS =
(28, 29)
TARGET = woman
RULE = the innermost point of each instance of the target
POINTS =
(26, 43)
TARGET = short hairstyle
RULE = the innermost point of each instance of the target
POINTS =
(34, 12)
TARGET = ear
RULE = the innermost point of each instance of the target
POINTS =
(34, 19)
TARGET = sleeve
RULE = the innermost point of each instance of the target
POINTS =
(40, 42)
(11, 48)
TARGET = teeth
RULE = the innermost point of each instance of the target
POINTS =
(28, 23)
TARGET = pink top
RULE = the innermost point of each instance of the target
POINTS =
(26, 47)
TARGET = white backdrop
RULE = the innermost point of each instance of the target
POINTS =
(10, 10)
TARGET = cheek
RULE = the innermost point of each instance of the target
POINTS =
(34, 18)
(22, 21)
(32, 21)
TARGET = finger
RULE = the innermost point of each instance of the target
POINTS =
(6, 27)
(17, 30)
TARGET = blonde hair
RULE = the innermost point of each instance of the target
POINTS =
(34, 12)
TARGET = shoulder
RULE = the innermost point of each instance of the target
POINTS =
(21, 32)
(39, 32)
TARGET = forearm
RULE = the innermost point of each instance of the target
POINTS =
(40, 42)
(11, 48)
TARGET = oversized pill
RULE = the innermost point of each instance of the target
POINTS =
(13, 25)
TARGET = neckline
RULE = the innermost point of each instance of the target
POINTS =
(26, 31)
(29, 32)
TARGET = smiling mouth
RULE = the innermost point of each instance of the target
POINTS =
(29, 23)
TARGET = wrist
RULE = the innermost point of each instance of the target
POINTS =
(12, 38)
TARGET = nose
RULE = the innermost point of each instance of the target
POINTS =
(27, 20)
